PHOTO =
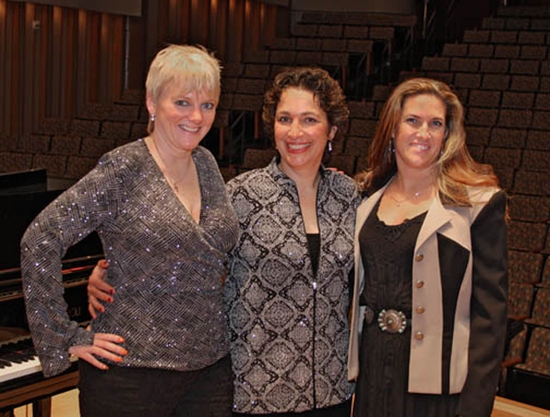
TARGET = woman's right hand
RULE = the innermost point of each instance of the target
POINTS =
(106, 346)
(99, 291)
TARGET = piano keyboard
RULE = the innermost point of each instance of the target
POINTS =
(18, 358)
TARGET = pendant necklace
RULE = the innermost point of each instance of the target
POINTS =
(408, 197)
(173, 184)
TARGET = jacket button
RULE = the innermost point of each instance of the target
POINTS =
(419, 257)
(419, 335)
(420, 310)
(419, 283)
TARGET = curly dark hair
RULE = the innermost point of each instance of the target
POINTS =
(320, 83)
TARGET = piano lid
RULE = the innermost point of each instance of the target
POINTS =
(16, 213)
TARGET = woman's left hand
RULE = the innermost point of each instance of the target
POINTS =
(105, 345)
(99, 291)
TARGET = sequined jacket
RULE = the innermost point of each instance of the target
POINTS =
(288, 326)
(167, 269)
(460, 254)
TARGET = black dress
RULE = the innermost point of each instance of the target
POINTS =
(382, 385)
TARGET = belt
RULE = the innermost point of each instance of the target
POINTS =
(389, 320)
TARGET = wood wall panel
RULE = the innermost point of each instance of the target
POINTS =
(40, 61)
(56, 60)
(235, 44)
(13, 51)
(3, 62)
(218, 30)
(82, 75)
(54, 40)
(91, 55)
(27, 51)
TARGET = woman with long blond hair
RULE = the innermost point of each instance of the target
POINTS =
(430, 296)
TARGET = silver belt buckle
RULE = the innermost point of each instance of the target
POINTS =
(392, 321)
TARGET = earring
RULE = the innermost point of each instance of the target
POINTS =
(152, 118)
(390, 151)
(329, 146)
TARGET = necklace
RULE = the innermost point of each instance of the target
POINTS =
(162, 165)
(172, 183)
(408, 197)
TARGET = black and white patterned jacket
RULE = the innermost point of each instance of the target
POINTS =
(289, 327)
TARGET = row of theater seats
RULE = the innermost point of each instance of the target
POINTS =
(526, 367)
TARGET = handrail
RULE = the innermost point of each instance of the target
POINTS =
(237, 137)
(357, 84)
(442, 21)
(438, 22)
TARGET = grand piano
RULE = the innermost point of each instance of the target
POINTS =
(22, 196)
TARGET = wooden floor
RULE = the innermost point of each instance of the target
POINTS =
(63, 405)
(66, 405)
(508, 408)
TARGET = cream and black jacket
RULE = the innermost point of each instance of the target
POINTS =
(462, 250)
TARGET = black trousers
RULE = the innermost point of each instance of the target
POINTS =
(140, 392)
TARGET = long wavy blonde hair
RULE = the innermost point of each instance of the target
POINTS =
(454, 170)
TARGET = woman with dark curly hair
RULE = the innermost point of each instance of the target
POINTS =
(287, 289)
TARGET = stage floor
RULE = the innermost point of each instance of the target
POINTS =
(66, 405)
(508, 408)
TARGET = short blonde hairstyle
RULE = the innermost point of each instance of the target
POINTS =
(192, 67)
(454, 169)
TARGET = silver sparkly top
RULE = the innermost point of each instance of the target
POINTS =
(167, 269)
(289, 327)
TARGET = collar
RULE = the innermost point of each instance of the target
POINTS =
(279, 176)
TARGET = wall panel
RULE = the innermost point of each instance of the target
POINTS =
(56, 60)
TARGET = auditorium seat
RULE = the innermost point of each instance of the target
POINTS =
(516, 347)
(344, 163)
(257, 158)
(538, 352)
(526, 236)
(529, 208)
(524, 267)
(514, 352)
(529, 381)
(541, 310)
(545, 281)
(520, 300)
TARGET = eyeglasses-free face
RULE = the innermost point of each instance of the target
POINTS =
(301, 130)
(420, 132)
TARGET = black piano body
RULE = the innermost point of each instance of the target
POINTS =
(18, 207)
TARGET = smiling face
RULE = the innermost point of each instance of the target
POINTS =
(301, 130)
(182, 118)
(420, 132)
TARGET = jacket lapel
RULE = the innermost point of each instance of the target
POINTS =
(436, 217)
